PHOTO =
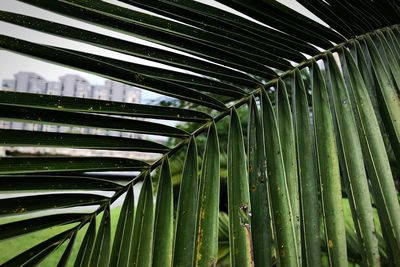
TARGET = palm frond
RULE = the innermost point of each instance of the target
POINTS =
(322, 98)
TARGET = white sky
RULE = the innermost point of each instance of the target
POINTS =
(11, 63)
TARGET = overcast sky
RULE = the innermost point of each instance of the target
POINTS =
(12, 62)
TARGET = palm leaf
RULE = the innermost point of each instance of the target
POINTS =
(322, 101)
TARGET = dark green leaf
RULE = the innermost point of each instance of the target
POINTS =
(143, 231)
(19, 165)
(239, 208)
(387, 96)
(129, 48)
(164, 219)
(101, 249)
(43, 182)
(83, 61)
(287, 248)
(161, 31)
(20, 138)
(259, 193)
(187, 209)
(85, 250)
(310, 217)
(354, 171)
(75, 104)
(19, 205)
(36, 254)
(328, 171)
(207, 224)
(375, 155)
(60, 117)
(17, 228)
(123, 234)
(286, 134)
(67, 252)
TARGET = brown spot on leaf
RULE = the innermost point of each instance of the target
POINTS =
(20, 210)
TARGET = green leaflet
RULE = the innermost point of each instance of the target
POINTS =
(19, 138)
(353, 166)
(129, 22)
(389, 58)
(197, 85)
(143, 231)
(67, 252)
(86, 248)
(223, 22)
(36, 254)
(106, 68)
(128, 47)
(21, 165)
(61, 117)
(284, 121)
(207, 225)
(284, 226)
(387, 96)
(328, 171)
(279, 20)
(17, 228)
(163, 223)
(123, 235)
(394, 44)
(76, 104)
(376, 158)
(239, 208)
(43, 182)
(201, 15)
(187, 209)
(101, 249)
(259, 193)
(25, 204)
(309, 206)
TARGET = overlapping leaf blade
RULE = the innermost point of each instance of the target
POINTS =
(310, 217)
(21, 165)
(67, 252)
(163, 222)
(101, 249)
(143, 230)
(17, 228)
(186, 219)
(75, 104)
(19, 138)
(38, 253)
(57, 182)
(259, 193)
(375, 155)
(328, 171)
(284, 226)
(86, 248)
(23, 204)
(288, 150)
(123, 234)
(206, 250)
(239, 207)
(387, 96)
(354, 172)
